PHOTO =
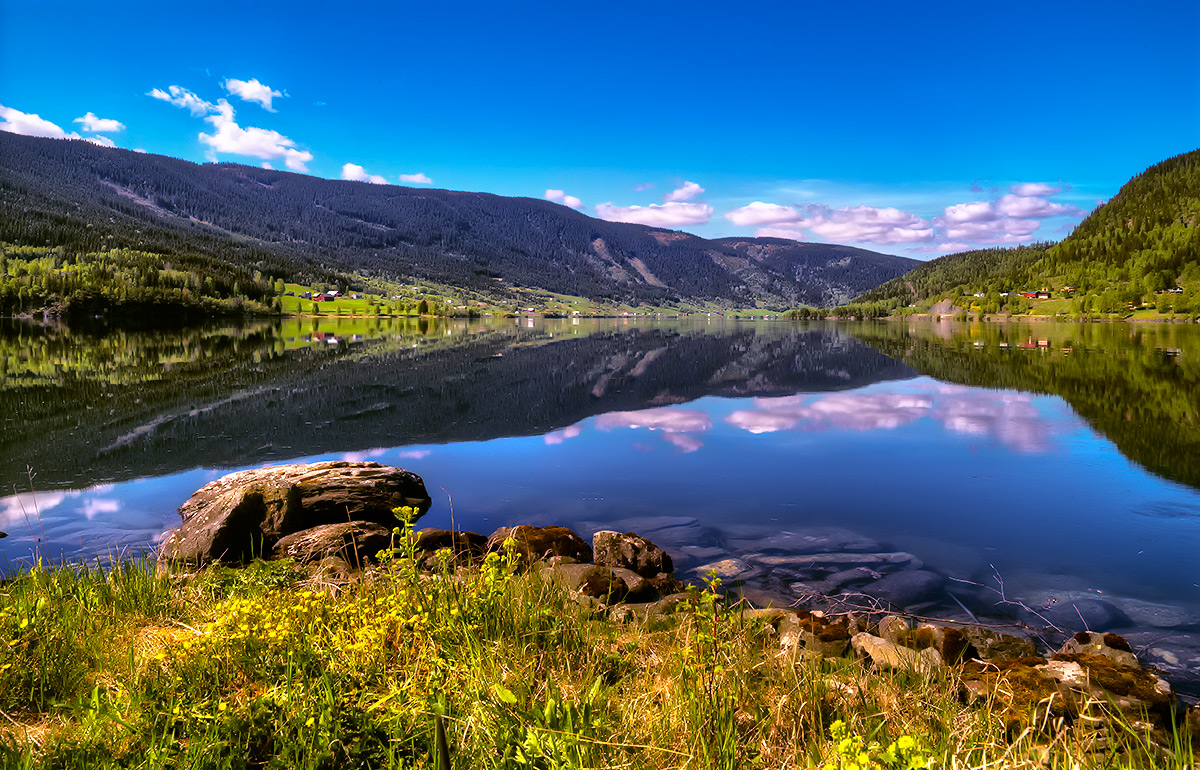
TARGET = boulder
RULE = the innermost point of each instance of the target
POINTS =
(1110, 646)
(630, 551)
(356, 543)
(951, 643)
(244, 514)
(1092, 614)
(465, 548)
(592, 580)
(537, 543)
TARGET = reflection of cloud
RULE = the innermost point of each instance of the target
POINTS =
(842, 411)
(93, 506)
(687, 443)
(662, 418)
(1009, 418)
(559, 436)
(366, 454)
(414, 454)
(20, 508)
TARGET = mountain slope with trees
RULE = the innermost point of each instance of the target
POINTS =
(235, 221)
(1130, 251)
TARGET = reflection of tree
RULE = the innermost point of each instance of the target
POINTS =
(88, 408)
(1139, 385)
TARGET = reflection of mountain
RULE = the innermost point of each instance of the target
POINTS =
(81, 410)
(1139, 385)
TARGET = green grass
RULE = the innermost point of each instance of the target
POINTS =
(266, 666)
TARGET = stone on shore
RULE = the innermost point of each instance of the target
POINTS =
(537, 543)
(244, 514)
(630, 551)
(356, 543)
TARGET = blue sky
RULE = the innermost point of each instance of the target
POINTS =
(907, 128)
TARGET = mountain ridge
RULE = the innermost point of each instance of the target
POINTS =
(87, 198)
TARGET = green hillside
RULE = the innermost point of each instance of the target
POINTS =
(1129, 256)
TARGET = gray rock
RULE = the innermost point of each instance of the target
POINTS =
(1110, 646)
(356, 543)
(812, 633)
(994, 645)
(669, 605)
(630, 551)
(1085, 614)
(588, 579)
(244, 514)
(906, 588)
(892, 627)
(728, 570)
(885, 656)
(808, 561)
(765, 598)
(465, 548)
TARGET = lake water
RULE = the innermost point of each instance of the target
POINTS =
(931, 464)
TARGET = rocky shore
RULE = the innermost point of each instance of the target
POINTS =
(824, 592)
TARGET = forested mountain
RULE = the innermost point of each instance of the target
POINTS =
(235, 219)
(1136, 246)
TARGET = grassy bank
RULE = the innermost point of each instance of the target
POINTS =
(270, 666)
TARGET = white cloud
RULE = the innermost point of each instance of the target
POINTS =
(558, 196)
(976, 211)
(252, 91)
(95, 125)
(181, 97)
(858, 224)
(951, 246)
(255, 142)
(1032, 207)
(102, 141)
(688, 191)
(643, 187)
(1000, 230)
(1037, 189)
(759, 213)
(555, 437)
(267, 166)
(417, 178)
(674, 214)
(356, 173)
(30, 124)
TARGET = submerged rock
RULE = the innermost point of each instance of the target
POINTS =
(907, 587)
(244, 514)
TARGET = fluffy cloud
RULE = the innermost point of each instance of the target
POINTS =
(251, 91)
(1037, 189)
(356, 173)
(672, 214)
(417, 178)
(558, 196)
(856, 224)
(183, 98)
(29, 124)
(95, 125)
(255, 142)
(950, 246)
(688, 191)
(759, 213)
(976, 211)
(101, 141)
(1033, 207)
(999, 230)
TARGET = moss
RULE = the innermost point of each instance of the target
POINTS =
(1120, 679)
(1024, 695)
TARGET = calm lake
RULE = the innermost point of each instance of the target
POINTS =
(951, 468)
